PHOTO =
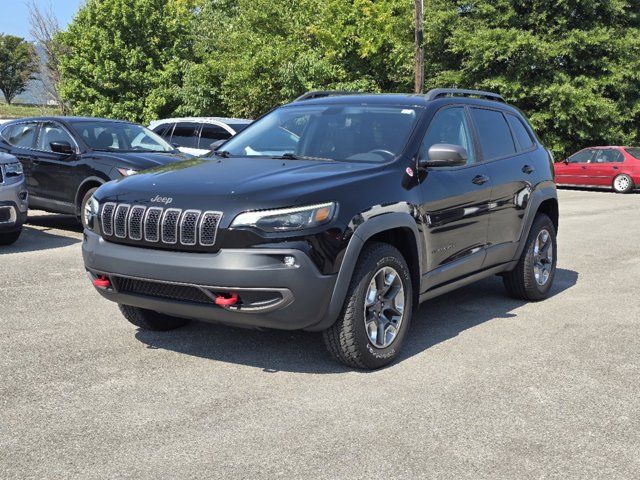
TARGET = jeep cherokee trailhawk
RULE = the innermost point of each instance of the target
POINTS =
(336, 213)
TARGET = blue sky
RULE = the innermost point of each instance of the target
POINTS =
(14, 16)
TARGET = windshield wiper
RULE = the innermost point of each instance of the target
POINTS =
(293, 156)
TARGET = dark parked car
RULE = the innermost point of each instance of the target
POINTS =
(66, 158)
(337, 214)
(13, 199)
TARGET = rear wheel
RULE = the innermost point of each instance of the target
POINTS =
(623, 183)
(533, 276)
(377, 311)
(9, 238)
(150, 320)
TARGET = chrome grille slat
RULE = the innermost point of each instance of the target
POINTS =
(107, 218)
(152, 224)
(169, 229)
(136, 216)
(209, 228)
(189, 227)
(120, 220)
(164, 226)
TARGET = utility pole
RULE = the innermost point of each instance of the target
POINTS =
(419, 54)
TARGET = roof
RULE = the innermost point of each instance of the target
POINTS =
(68, 119)
(202, 120)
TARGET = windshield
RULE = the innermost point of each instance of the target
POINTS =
(120, 137)
(327, 132)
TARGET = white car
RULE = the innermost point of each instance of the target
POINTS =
(194, 135)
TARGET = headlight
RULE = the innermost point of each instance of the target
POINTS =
(90, 212)
(13, 169)
(287, 219)
(126, 172)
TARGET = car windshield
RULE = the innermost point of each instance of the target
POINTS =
(327, 132)
(119, 137)
(634, 152)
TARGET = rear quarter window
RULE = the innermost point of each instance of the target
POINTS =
(494, 133)
(523, 138)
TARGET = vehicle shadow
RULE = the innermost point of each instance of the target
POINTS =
(38, 234)
(302, 352)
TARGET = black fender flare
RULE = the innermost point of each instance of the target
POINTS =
(87, 180)
(362, 233)
(545, 192)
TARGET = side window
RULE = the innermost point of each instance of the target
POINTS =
(22, 135)
(186, 135)
(212, 133)
(162, 129)
(520, 132)
(607, 155)
(494, 133)
(583, 156)
(52, 132)
(449, 126)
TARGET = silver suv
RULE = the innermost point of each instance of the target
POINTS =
(13, 199)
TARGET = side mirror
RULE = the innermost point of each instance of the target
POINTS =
(217, 144)
(445, 155)
(61, 147)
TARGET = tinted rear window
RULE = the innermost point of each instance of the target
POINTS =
(495, 135)
(523, 139)
(634, 152)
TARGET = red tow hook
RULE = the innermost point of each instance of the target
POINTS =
(224, 301)
(102, 282)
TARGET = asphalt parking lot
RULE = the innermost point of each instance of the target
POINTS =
(487, 387)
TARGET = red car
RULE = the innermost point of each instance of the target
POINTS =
(601, 167)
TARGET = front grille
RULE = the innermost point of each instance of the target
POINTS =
(182, 293)
(170, 226)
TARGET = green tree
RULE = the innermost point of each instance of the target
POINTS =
(18, 63)
(572, 65)
(126, 58)
(255, 54)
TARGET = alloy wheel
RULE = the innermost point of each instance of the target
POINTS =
(384, 307)
(543, 257)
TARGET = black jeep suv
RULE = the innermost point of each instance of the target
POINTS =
(337, 214)
(65, 159)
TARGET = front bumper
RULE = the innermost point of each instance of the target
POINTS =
(14, 203)
(291, 298)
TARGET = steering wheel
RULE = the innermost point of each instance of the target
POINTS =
(385, 153)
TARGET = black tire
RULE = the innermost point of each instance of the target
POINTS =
(521, 281)
(150, 320)
(10, 238)
(624, 186)
(347, 339)
(83, 203)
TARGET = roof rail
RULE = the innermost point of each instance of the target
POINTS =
(322, 94)
(453, 92)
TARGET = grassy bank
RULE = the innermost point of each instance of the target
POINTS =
(20, 111)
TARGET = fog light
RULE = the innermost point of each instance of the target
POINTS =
(289, 261)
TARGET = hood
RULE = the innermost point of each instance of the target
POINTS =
(141, 160)
(238, 184)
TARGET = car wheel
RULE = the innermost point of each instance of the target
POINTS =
(150, 320)
(623, 183)
(533, 276)
(84, 205)
(9, 238)
(377, 311)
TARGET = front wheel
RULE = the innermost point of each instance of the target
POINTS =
(84, 205)
(533, 276)
(150, 320)
(377, 311)
(623, 183)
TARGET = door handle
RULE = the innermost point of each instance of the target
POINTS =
(615, 168)
(480, 179)
(527, 169)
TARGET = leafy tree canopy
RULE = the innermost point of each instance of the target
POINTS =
(18, 63)
(127, 57)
